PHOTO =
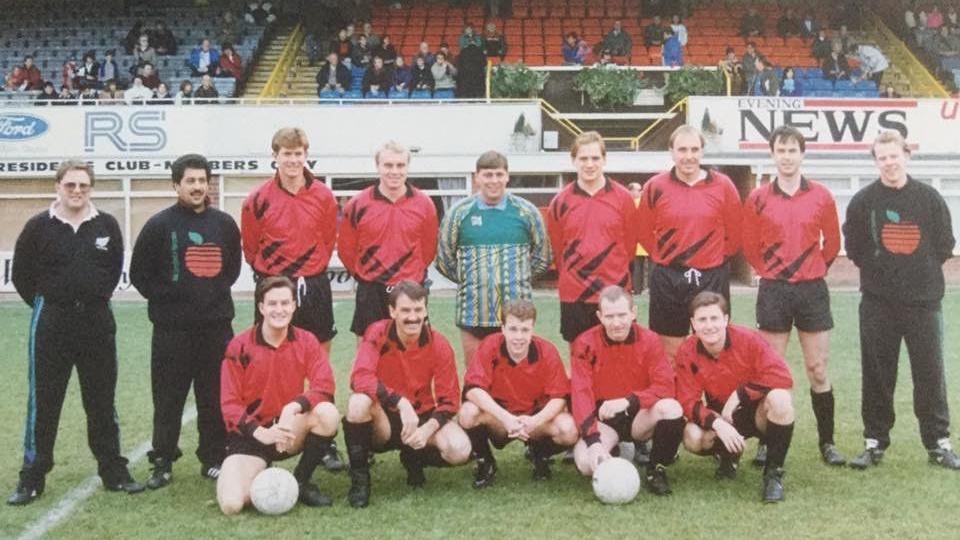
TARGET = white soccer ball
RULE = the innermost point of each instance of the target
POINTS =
(274, 491)
(616, 481)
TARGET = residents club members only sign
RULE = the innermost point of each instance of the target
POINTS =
(741, 124)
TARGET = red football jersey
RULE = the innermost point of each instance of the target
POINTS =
(746, 365)
(258, 380)
(522, 387)
(791, 237)
(286, 234)
(636, 368)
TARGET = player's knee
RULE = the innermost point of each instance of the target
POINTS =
(358, 408)
(230, 505)
(457, 449)
(668, 409)
(817, 373)
(693, 438)
(566, 430)
(325, 419)
(779, 406)
(469, 415)
(583, 464)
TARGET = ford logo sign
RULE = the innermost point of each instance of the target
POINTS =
(21, 127)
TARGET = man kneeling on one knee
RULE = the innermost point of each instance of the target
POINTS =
(733, 386)
(405, 392)
(516, 388)
(269, 416)
(622, 390)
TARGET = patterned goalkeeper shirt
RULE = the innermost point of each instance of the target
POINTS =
(493, 253)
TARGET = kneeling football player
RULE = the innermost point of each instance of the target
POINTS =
(405, 392)
(516, 388)
(623, 390)
(269, 416)
(733, 386)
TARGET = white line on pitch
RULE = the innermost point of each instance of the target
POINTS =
(69, 502)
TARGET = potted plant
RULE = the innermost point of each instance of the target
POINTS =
(692, 81)
(517, 81)
(608, 88)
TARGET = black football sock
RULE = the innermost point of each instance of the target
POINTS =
(667, 436)
(480, 441)
(314, 448)
(823, 410)
(778, 442)
(359, 438)
(545, 448)
(430, 457)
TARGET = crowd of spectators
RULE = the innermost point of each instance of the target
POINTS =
(936, 33)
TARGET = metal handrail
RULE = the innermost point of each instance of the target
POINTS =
(279, 73)
(680, 105)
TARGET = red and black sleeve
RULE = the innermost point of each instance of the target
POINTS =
(751, 230)
(690, 392)
(232, 371)
(363, 378)
(316, 364)
(732, 220)
(480, 371)
(347, 240)
(250, 214)
(557, 384)
(659, 373)
(770, 371)
(582, 358)
(830, 227)
(446, 382)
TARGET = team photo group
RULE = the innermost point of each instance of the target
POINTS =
(690, 377)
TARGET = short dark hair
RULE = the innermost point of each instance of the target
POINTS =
(188, 161)
(709, 298)
(411, 289)
(784, 134)
(266, 285)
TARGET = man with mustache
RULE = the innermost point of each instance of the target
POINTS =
(690, 226)
(289, 228)
(516, 388)
(405, 394)
(184, 262)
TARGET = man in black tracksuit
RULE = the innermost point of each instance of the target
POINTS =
(184, 262)
(66, 264)
(898, 232)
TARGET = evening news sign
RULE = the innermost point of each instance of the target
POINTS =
(744, 124)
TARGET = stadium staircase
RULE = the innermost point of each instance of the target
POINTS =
(267, 63)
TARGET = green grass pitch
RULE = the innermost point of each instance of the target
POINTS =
(904, 497)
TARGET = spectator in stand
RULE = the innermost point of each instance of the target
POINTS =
(835, 66)
(111, 94)
(872, 63)
(185, 95)
(108, 68)
(69, 74)
(789, 25)
(944, 43)
(341, 44)
(420, 74)
(334, 76)
(791, 86)
(204, 59)
(373, 40)
(66, 97)
(653, 33)
(809, 28)
(910, 19)
(821, 46)
(362, 54)
(88, 74)
(424, 52)
(751, 25)
(847, 43)
(137, 94)
(494, 43)
(606, 60)
(161, 96)
(733, 70)
(890, 92)
(207, 93)
(444, 74)
(143, 54)
(679, 29)
(402, 78)
(749, 64)
(953, 19)
(469, 37)
(377, 79)
(934, 18)
(672, 50)
(617, 42)
(471, 72)
(163, 40)
(231, 65)
(133, 36)
(150, 76)
(445, 49)
(230, 30)
(48, 94)
(386, 51)
(88, 96)
(573, 50)
(32, 78)
(765, 82)
(499, 8)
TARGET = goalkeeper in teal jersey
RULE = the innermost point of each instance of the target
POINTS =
(492, 244)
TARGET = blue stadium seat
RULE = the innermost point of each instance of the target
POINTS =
(375, 95)
(866, 85)
(353, 94)
(402, 94)
(843, 86)
(420, 94)
(443, 94)
(329, 94)
(811, 73)
(820, 84)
